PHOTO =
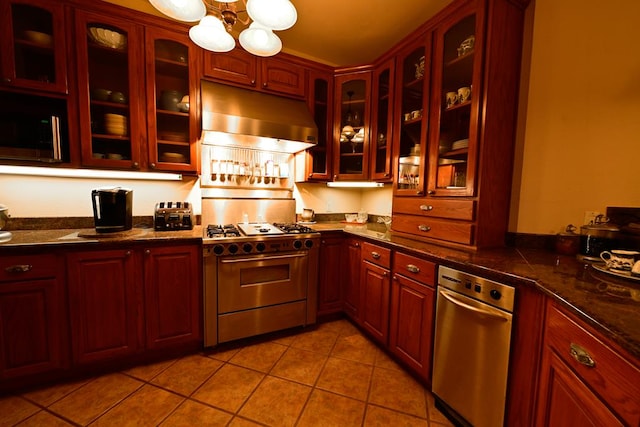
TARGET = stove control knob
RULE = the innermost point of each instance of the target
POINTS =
(308, 243)
(233, 248)
(218, 249)
(260, 247)
(297, 244)
(247, 247)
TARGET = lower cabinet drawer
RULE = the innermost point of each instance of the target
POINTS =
(607, 373)
(415, 268)
(26, 267)
(451, 231)
(376, 255)
(437, 208)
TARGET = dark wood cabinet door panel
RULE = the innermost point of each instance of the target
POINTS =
(32, 327)
(103, 304)
(376, 288)
(172, 295)
(330, 275)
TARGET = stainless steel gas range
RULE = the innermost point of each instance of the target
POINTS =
(260, 272)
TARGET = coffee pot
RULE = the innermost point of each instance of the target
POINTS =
(307, 215)
(112, 209)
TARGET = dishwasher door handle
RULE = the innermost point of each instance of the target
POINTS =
(449, 297)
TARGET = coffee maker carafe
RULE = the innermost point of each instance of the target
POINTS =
(112, 208)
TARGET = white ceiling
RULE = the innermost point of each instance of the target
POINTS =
(343, 32)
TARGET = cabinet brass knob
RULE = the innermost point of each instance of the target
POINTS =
(128, 253)
(426, 207)
(147, 252)
(581, 355)
(357, 245)
(6, 80)
(153, 165)
(375, 255)
(423, 227)
(19, 268)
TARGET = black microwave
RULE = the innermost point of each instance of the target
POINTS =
(33, 128)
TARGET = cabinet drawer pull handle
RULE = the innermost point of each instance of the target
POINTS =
(426, 207)
(423, 227)
(413, 268)
(375, 255)
(581, 355)
(19, 268)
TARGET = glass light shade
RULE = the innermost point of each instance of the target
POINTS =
(210, 34)
(260, 40)
(275, 14)
(182, 10)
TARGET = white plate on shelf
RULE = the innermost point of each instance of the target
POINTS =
(621, 274)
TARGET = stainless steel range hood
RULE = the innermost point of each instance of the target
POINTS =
(244, 118)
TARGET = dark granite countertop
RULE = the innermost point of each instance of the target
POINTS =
(610, 304)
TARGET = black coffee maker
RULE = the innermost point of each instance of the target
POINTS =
(112, 209)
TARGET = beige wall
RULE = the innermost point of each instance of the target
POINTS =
(578, 143)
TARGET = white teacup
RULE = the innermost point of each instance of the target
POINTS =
(619, 259)
(452, 98)
(464, 94)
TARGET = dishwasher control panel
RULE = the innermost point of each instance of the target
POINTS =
(494, 293)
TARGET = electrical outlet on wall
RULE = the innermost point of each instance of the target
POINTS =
(590, 216)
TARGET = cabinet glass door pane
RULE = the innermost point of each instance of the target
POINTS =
(109, 92)
(455, 107)
(380, 137)
(352, 135)
(172, 109)
(410, 168)
(319, 164)
(33, 31)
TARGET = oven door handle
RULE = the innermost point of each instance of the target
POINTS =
(449, 297)
(266, 258)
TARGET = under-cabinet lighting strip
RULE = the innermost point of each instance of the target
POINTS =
(87, 173)
(355, 184)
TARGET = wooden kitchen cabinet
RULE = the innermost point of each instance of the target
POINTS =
(111, 92)
(351, 277)
(126, 301)
(331, 273)
(33, 322)
(375, 291)
(412, 318)
(172, 295)
(173, 130)
(33, 45)
(470, 139)
(105, 304)
(584, 380)
(277, 74)
(382, 121)
(411, 116)
(351, 128)
(317, 161)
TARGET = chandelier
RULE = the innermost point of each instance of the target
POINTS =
(217, 19)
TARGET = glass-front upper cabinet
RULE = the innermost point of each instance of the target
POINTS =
(32, 50)
(351, 135)
(411, 114)
(320, 102)
(382, 113)
(171, 85)
(455, 109)
(111, 79)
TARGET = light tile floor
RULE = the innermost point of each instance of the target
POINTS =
(331, 375)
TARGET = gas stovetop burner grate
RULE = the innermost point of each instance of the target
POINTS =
(292, 228)
(220, 231)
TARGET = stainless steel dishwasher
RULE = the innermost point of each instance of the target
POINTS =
(471, 351)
